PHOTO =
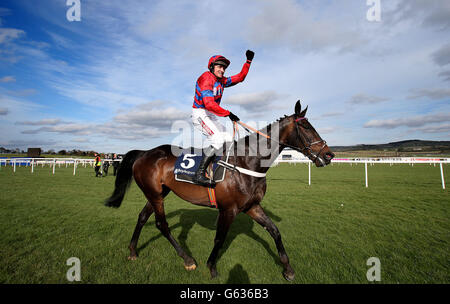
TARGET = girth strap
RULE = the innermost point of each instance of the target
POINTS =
(241, 170)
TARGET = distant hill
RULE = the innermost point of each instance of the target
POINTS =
(414, 146)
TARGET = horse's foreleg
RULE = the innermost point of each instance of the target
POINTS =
(257, 213)
(225, 219)
(142, 219)
(163, 226)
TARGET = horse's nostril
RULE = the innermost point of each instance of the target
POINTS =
(329, 156)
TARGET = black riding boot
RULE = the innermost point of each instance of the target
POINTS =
(200, 177)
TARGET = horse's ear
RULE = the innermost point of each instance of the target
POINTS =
(298, 107)
(303, 113)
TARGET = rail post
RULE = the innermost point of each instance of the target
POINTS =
(367, 180)
(309, 173)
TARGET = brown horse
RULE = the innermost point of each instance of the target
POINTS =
(238, 192)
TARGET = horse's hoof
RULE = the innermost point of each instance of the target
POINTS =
(132, 258)
(214, 274)
(289, 276)
(190, 267)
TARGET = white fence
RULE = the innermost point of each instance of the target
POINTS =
(53, 162)
(371, 161)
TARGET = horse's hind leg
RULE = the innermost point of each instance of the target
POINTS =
(163, 226)
(257, 213)
(142, 219)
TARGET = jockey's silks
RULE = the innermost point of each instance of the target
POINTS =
(209, 90)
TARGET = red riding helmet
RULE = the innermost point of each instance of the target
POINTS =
(218, 59)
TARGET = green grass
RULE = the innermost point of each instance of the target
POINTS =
(329, 229)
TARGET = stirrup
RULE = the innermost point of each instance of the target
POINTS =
(203, 181)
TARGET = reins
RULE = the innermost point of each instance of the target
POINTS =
(301, 150)
(314, 156)
(248, 128)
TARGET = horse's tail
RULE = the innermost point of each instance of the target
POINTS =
(123, 179)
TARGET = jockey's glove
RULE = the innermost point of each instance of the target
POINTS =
(233, 117)
(250, 55)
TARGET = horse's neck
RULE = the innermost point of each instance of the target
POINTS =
(260, 152)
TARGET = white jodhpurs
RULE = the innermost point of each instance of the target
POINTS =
(208, 123)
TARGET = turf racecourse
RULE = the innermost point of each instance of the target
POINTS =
(330, 229)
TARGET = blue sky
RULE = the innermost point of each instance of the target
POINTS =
(119, 78)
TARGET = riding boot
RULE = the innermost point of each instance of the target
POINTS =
(200, 177)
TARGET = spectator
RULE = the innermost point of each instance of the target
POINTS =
(98, 164)
(105, 167)
(115, 164)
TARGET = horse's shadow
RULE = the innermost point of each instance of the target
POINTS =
(207, 218)
(238, 275)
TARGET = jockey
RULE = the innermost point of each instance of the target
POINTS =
(208, 93)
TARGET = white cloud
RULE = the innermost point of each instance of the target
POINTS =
(434, 94)
(8, 46)
(9, 34)
(445, 75)
(416, 121)
(48, 121)
(75, 129)
(8, 79)
(22, 92)
(129, 132)
(326, 130)
(19, 105)
(61, 41)
(152, 114)
(433, 14)
(256, 102)
(88, 94)
(331, 114)
(4, 111)
(442, 128)
(80, 140)
(363, 98)
(442, 56)
(289, 24)
(23, 144)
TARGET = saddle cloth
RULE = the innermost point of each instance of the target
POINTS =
(187, 163)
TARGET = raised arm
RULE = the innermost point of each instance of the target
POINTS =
(235, 79)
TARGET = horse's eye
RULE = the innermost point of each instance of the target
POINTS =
(304, 124)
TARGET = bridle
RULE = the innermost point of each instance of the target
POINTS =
(307, 147)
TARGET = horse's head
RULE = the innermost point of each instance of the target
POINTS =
(304, 138)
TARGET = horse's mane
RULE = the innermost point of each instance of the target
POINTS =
(279, 120)
(246, 140)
